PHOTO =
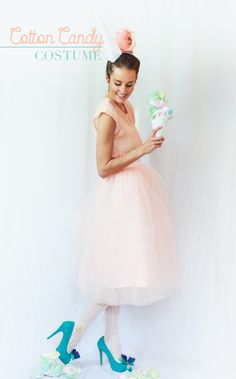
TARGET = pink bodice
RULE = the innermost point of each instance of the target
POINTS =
(126, 136)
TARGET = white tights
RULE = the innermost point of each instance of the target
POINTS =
(111, 327)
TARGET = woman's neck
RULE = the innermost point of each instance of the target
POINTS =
(121, 106)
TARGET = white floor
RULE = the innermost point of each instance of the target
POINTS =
(167, 368)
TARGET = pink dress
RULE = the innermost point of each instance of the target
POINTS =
(128, 253)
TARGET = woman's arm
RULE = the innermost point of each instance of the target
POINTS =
(106, 165)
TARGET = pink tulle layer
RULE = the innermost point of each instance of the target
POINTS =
(128, 252)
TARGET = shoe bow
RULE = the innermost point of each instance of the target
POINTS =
(127, 361)
(75, 354)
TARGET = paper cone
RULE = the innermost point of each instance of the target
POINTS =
(112, 50)
(159, 121)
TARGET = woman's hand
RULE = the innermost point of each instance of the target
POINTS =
(152, 142)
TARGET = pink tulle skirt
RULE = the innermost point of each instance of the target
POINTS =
(128, 251)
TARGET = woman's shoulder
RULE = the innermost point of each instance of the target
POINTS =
(105, 101)
(104, 104)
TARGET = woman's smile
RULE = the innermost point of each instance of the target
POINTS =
(122, 97)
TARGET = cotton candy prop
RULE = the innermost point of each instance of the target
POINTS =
(158, 111)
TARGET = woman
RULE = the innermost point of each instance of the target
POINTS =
(129, 250)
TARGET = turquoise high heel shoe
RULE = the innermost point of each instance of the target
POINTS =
(115, 366)
(66, 328)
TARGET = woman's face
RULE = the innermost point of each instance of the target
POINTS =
(121, 84)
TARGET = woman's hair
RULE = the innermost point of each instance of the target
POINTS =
(127, 60)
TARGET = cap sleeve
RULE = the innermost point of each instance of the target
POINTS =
(105, 106)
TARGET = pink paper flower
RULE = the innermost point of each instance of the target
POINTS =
(125, 40)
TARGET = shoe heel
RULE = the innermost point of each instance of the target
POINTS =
(53, 334)
(100, 351)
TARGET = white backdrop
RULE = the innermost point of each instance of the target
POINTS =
(47, 158)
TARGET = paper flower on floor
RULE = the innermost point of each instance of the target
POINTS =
(51, 365)
(71, 372)
(147, 373)
(151, 373)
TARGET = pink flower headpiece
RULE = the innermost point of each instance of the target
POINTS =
(124, 42)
